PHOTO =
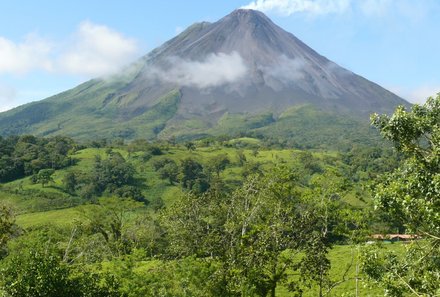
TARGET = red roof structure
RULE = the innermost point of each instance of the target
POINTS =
(395, 237)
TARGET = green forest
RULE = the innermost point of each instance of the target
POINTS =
(223, 216)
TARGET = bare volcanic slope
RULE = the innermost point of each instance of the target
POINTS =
(238, 74)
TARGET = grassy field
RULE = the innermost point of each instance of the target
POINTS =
(60, 217)
(344, 259)
(27, 197)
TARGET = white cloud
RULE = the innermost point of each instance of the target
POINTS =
(409, 9)
(7, 97)
(20, 58)
(214, 70)
(97, 50)
(94, 50)
(418, 94)
(179, 29)
(288, 7)
(286, 69)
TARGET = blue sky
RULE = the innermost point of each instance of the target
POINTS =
(50, 46)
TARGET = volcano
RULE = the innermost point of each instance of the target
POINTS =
(242, 73)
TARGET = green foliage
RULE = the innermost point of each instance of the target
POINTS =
(44, 176)
(291, 218)
(190, 146)
(308, 127)
(366, 163)
(256, 234)
(410, 195)
(161, 162)
(218, 163)
(193, 177)
(411, 192)
(179, 278)
(70, 182)
(110, 218)
(167, 169)
(27, 155)
(130, 192)
(112, 173)
(37, 273)
(155, 150)
(241, 157)
(170, 171)
(7, 228)
(37, 269)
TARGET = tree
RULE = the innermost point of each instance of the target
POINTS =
(111, 218)
(131, 192)
(44, 176)
(190, 146)
(37, 268)
(169, 171)
(70, 182)
(410, 194)
(219, 163)
(161, 162)
(112, 173)
(26, 155)
(254, 235)
(241, 157)
(193, 177)
(7, 227)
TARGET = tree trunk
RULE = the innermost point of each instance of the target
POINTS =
(273, 288)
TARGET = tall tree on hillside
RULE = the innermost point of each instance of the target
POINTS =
(44, 176)
(255, 235)
(190, 146)
(70, 182)
(411, 194)
(111, 219)
(218, 163)
(112, 173)
(169, 171)
(193, 177)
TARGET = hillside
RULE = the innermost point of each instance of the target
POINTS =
(242, 69)
(101, 185)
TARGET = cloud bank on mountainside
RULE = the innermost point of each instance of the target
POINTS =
(213, 71)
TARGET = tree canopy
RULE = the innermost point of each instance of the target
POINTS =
(411, 195)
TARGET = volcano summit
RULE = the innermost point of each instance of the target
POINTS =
(240, 74)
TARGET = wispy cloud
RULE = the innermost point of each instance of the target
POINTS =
(97, 50)
(22, 57)
(412, 10)
(289, 7)
(7, 97)
(93, 50)
(214, 70)
(286, 69)
(418, 94)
